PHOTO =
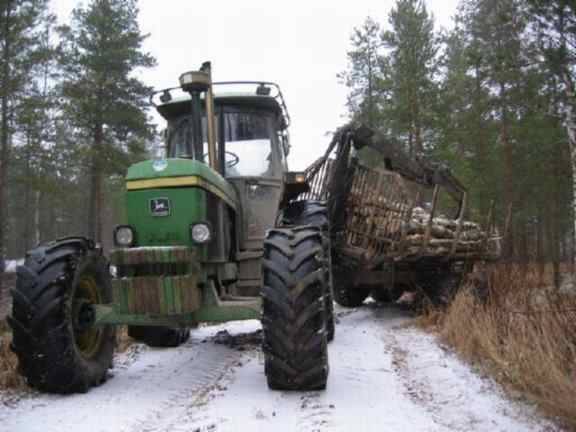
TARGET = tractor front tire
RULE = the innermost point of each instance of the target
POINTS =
(159, 337)
(293, 315)
(58, 348)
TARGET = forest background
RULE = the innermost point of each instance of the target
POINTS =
(492, 98)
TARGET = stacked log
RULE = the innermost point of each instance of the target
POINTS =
(381, 224)
(468, 237)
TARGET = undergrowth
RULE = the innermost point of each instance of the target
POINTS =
(524, 335)
(9, 377)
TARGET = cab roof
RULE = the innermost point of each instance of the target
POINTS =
(180, 105)
(254, 94)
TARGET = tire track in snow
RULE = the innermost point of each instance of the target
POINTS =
(314, 415)
(145, 390)
(190, 410)
(191, 401)
(455, 396)
(383, 376)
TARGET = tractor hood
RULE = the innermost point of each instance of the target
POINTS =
(165, 198)
(178, 173)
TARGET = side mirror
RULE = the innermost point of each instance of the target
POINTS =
(285, 143)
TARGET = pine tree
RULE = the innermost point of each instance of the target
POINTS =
(104, 101)
(555, 22)
(497, 29)
(20, 51)
(413, 48)
(34, 129)
(364, 76)
(465, 132)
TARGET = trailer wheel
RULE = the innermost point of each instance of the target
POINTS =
(293, 316)
(442, 287)
(159, 337)
(58, 348)
(315, 213)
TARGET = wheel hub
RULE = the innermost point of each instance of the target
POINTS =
(88, 337)
(85, 315)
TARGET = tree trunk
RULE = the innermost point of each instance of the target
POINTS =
(27, 237)
(36, 217)
(570, 121)
(480, 146)
(96, 199)
(508, 177)
(4, 133)
(419, 146)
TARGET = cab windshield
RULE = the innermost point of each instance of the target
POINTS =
(249, 142)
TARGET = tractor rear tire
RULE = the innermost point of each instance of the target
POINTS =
(293, 315)
(345, 293)
(380, 295)
(58, 349)
(315, 213)
(159, 337)
(386, 295)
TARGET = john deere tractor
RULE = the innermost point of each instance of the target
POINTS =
(214, 232)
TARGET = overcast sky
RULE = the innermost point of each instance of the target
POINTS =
(300, 45)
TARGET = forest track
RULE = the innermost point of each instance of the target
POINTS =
(384, 375)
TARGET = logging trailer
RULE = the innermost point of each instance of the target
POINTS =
(398, 228)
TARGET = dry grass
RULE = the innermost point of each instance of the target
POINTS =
(123, 341)
(525, 336)
(9, 376)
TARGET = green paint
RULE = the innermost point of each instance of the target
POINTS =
(166, 239)
(188, 206)
(107, 314)
(225, 313)
(182, 168)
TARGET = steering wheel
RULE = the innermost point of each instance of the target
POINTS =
(229, 163)
(232, 162)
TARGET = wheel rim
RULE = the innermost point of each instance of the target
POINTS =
(87, 337)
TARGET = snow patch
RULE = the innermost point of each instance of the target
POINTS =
(11, 265)
(384, 376)
(454, 395)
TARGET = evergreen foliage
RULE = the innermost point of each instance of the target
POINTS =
(103, 100)
(489, 98)
(22, 25)
(75, 116)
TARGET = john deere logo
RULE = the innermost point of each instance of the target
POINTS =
(160, 207)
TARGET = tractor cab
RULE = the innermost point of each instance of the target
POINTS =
(251, 144)
(251, 129)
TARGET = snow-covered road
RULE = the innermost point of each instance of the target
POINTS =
(384, 376)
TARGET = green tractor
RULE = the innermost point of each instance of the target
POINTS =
(215, 232)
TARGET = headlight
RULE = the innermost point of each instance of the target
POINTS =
(201, 233)
(124, 236)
